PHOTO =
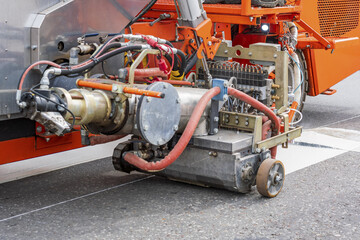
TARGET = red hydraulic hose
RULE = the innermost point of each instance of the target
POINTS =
(256, 104)
(31, 67)
(261, 107)
(183, 141)
(265, 129)
(147, 72)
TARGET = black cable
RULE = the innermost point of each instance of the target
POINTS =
(183, 61)
(191, 63)
(145, 10)
(103, 69)
(113, 45)
(100, 59)
(32, 90)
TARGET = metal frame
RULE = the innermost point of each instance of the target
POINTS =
(266, 53)
(244, 122)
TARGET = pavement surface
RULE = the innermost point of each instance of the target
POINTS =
(320, 199)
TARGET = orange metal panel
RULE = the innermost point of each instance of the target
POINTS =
(333, 19)
(24, 148)
(163, 29)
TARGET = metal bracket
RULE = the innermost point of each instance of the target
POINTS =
(223, 85)
(214, 117)
(244, 122)
(283, 138)
(138, 60)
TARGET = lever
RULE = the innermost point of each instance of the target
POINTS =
(161, 17)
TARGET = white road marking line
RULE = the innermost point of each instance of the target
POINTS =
(340, 121)
(74, 199)
(300, 156)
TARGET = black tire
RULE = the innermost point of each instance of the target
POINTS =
(305, 84)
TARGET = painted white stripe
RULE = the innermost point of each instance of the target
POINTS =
(35, 166)
(298, 156)
(73, 199)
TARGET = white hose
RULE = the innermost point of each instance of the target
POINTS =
(294, 33)
(297, 78)
(300, 119)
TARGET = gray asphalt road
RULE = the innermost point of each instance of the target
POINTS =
(92, 201)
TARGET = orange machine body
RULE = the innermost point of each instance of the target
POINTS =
(332, 19)
(337, 21)
(331, 42)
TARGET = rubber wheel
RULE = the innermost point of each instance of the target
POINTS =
(270, 178)
(305, 84)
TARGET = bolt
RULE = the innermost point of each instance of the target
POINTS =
(165, 86)
(328, 46)
(6, 78)
(277, 179)
(117, 99)
(6, 21)
(33, 47)
(216, 130)
(246, 123)
(226, 51)
(47, 139)
(225, 97)
(251, 19)
(176, 128)
(237, 121)
(5, 106)
(146, 127)
(148, 99)
(275, 55)
(250, 54)
(216, 119)
(115, 88)
(6, 50)
(210, 153)
(209, 43)
(178, 100)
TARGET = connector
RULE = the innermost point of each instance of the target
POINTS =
(45, 82)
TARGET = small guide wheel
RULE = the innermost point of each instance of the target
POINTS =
(270, 178)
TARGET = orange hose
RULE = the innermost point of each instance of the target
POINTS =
(183, 141)
(148, 93)
(95, 85)
(108, 87)
(294, 105)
